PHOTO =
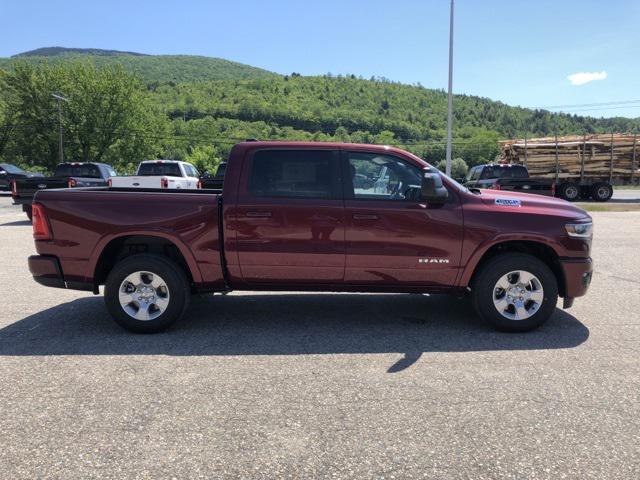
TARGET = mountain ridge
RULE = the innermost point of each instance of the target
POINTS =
(54, 51)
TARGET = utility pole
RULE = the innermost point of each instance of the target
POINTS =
(450, 99)
(59, 100)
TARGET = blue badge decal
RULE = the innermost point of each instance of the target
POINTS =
(507, 202)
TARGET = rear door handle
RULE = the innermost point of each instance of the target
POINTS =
(260, 214)
(365, 216)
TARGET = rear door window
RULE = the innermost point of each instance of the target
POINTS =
(294, 174)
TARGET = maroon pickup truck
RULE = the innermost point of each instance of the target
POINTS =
(314, 217)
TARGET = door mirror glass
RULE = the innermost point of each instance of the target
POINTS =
(433, 191)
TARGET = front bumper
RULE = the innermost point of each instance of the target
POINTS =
(47, 271)
(577, 276)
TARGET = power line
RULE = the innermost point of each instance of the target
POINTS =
(600, 104)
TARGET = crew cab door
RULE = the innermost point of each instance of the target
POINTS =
(290, 217)
(393, 238)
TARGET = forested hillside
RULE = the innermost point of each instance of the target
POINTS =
(196, 108)
(152, 69)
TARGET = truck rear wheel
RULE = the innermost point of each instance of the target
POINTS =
(515, 292)
(570, 191)
(601, 191)
(146, 293)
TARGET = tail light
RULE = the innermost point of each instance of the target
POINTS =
(164, 182)
(199, 183)
(41, 227)
(72, 183)
(14, 189)
(110, 183)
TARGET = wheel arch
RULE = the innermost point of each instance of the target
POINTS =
(111, 250)
(541, 250)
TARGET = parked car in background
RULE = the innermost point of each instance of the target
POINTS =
(513, 178)
(172, 174)
(289, 217)
(9, 172)
(214, 182)
(65, 175)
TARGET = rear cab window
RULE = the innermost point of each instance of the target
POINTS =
(515, 171)
(82, 170)
(290, 173)
(169, 169)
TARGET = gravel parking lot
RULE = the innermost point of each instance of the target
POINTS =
(321, 385)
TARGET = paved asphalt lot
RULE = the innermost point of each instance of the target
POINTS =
(321, 385)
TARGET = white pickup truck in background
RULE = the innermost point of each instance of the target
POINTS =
(160, 174)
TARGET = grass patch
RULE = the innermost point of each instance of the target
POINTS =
(626, 187)
(610, 207)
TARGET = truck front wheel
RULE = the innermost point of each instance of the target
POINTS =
(146, 293)
(515, 292)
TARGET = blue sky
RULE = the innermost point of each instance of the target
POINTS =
(519, 52)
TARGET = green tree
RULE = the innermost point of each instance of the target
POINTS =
(204, 158)
(108, 116)
(459, 167)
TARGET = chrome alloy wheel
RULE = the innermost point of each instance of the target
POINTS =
(144, 295)
(518, 295)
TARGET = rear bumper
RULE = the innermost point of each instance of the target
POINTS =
(46, 270)
(22, 200)
(577, 276)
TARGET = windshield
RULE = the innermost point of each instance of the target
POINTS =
(160, 168)
(11, 168)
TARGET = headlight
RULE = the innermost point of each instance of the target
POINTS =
(581, 230)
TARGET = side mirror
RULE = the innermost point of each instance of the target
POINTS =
(433, 191)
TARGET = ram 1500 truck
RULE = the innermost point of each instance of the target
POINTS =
(69, 174)
(290, 218)
(171, 174)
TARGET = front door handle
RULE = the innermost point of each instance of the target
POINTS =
(365, 216)
(259, 214)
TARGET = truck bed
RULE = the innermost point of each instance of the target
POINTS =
(95, 217)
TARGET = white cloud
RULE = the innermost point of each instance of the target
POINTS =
(581, 78)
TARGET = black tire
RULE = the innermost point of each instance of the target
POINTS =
(570, 191)
(176, 283)
(482, 291)
(601, 191)
(29, 211)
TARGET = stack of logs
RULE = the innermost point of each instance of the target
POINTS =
(586, 156)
